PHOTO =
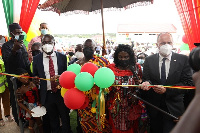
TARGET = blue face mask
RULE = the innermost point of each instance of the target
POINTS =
(16, 36)
(44, 31)
(141, 61)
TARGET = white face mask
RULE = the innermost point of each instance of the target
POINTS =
(47, 48)
(44, 31)
(166, 49)
(16, 36)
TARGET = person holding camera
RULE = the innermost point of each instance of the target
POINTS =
(15, 56)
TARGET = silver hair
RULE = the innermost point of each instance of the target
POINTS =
(162, 33)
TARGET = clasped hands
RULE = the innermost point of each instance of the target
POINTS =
(157, 88)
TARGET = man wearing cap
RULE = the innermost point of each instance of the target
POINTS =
(15, 56)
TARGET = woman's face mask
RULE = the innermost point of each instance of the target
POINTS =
(123, 63)
(47, 48)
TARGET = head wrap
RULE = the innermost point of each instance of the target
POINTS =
(14, 26)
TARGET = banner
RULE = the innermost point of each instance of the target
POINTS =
(27, 13)
(190, 18)
(8, 10)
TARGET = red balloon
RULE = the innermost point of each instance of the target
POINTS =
(184, 39)
(85, 103)
(90, 68)
(66, 79)
(74, 98)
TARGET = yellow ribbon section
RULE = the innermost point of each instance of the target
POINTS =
(176, 87)
(102, 109)
(14, 75)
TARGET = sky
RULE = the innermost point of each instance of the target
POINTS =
(162, 11)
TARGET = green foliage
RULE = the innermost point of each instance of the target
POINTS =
(73, 121)
(112, 35)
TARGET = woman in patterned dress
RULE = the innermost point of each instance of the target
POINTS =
(126, 113)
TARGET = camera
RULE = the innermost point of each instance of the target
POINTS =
(194, 58)
(21, 38)
(197, 44)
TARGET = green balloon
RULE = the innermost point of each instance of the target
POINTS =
(26, 43)
(76, 68)
(84, 81)
(104, 77)
(184, 46)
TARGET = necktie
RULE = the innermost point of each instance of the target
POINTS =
(163, 72)
(52, 73)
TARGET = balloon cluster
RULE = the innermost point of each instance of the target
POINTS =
(78, 79)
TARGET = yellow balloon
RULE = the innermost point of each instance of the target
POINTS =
(63, 91)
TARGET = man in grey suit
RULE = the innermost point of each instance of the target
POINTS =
(162, 69)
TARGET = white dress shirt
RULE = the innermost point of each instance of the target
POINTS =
(46, 67)
(167, 64)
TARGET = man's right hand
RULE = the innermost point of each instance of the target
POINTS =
(17, 45)
(145, 86)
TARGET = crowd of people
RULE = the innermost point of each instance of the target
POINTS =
(125, 113)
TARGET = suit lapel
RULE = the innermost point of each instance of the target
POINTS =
(156, 67)
(58, 63)
(172, 66)
(41, 66)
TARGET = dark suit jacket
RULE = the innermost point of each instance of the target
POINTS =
(19, 60)
(38, 70)
(180, 74)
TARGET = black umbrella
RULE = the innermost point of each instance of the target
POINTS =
(86, 6)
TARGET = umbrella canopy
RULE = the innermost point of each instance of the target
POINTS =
(86, 6)
(63, 6)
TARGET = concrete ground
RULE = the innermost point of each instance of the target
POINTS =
(10, 127)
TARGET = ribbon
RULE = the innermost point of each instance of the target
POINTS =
(22, 76)
(175, 87)
(100, 114)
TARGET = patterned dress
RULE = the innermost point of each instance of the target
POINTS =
(30, 99)
(88, 119)
(126, 113)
